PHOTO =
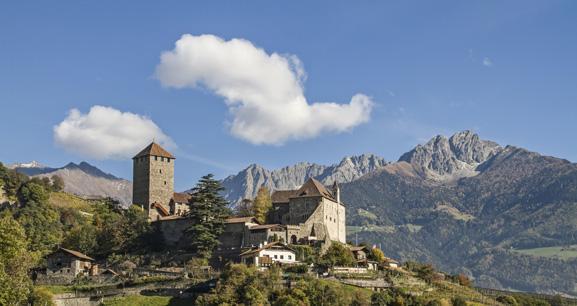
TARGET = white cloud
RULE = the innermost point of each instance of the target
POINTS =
(487, 62)
(264, 92)
(107, 133)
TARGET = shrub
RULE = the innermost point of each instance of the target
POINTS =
(41, 296)
(299, 269)
(459, 301)
(381, 298)
(508, 300)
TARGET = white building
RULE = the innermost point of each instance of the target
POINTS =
(267, 254)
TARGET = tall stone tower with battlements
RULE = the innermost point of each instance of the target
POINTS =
(153, 180)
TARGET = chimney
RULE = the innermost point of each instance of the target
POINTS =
(337, 192)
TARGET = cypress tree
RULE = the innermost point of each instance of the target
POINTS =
(208, 211)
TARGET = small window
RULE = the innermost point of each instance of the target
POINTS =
(275, 257)
(156, 158)
(282, 257)
(164, 182)
(168, 160)
(290, 257)
(160, 170)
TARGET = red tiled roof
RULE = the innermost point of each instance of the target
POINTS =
(154, 150)
(76, 254)
(181, 197)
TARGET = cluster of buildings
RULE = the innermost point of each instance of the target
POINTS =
(311, 214)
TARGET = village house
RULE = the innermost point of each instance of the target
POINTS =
(68, 262)
(266, 255)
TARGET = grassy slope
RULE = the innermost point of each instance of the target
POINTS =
(66, 200)
(552, 252)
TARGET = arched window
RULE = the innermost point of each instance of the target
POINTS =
(293, 239)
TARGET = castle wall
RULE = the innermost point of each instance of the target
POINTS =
(173, 230)
(300, 209)
(334, 219)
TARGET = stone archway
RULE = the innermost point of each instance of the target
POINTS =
(294, 239)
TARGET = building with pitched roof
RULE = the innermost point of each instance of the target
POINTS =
(153, 184)
(316, 211)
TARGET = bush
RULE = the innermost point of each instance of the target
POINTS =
(338, 254)
(508, 300)
(459, 301)
(41, 296)
(298, 269)
(381, 298)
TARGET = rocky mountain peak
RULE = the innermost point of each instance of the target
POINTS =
(443, 159)
(245, 184)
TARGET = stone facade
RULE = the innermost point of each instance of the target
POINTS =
(317, 212)
(153, 184)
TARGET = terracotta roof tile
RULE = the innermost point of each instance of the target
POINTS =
(154, 150)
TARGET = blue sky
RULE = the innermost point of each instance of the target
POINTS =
(505, 69)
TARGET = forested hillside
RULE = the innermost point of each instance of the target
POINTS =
(519, 200)
(36, 217)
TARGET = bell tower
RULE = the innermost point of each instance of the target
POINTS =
(153, 180)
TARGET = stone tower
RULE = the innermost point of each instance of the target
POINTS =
(153, 179)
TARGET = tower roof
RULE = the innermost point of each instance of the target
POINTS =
(154, 150)
(314, 188)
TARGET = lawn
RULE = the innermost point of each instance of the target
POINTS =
(564, 252)
(147, 301)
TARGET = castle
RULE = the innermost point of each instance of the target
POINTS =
(311, 214)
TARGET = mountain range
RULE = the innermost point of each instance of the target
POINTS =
(82, 179)
(464, 204)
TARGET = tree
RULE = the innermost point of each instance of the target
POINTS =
(377, 255)
(82, 238)
(458, 301)
(33, 191)
(208, 210)
(11, 181)
(244, 209)
(57, 183)
(338, 254)
(15, 262)
(262, 204)
(381, 298)
(42, 225)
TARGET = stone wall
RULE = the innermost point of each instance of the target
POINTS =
(153, 181)
(140, 181)
(173, 230)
